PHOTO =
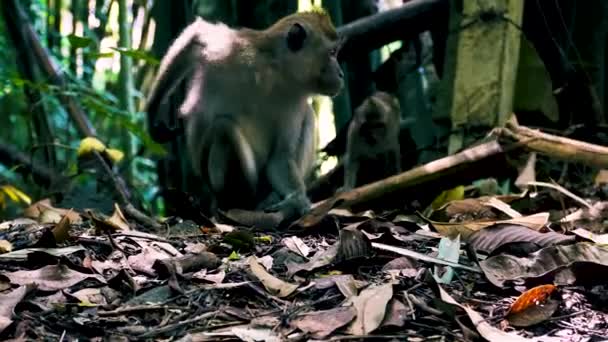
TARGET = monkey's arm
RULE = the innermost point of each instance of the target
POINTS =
(396, 155)
(286, 180)
(351, 167)
(289, 165)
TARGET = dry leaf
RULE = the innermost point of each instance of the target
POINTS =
(18, 222)
(118, 220)
(396, 314)
(466, 229)
(490, 239)
(273, 284)
(322, 323)
(527, 173)
(320, 259)
(600, 239)
(601, 178)
(503, 268)
(535, 314)
(90, 296)
(5, 246)
(8, 301)
(332, 280)
(215, 278)
(483, 327)
(400, 263)
(347, 286)
(144, 261)
(21, 254)
(500, 205)
(296, 245)
(533, 306)
(51, 278)
(61, 231)
(371, 306)
(37, 211)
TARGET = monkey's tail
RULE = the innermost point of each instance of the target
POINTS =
(181, 57)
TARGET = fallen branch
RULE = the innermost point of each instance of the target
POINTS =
(555, 146)
(442, 173)
(423, 257)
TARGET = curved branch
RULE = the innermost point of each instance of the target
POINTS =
(374, 31)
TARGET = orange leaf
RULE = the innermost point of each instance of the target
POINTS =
(532, 297)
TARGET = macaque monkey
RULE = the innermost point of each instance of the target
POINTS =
(249, 127)
(372, 147)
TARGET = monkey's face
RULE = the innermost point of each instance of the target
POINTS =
(314, 56)
(371, 115)
(376, 117)
(371, 125)
(331, 77)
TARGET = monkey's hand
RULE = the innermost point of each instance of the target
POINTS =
(293, 205)
(343, 189)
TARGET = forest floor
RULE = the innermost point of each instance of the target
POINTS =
(479, 262)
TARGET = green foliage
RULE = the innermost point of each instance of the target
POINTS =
(79, 42)
(95, 90)
(137, 54)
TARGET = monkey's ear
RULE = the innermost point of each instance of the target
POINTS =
(295, 37)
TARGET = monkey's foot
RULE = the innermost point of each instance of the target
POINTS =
(293, 206)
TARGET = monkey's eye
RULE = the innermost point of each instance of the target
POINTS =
(295, 37)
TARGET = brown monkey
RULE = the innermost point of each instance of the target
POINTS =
(372, 148)
(249, 127)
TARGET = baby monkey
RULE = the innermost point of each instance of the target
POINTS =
(372, 148)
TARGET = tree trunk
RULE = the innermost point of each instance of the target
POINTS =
(480, 67)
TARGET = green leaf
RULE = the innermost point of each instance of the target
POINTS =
(137, 54)
(97, 55)
(124, 121)
(448, 250)
(79, 42)
(234, 256)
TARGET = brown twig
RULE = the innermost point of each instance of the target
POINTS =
(177, 325)
(10, 155)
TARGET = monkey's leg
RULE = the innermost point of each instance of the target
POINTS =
(230, 155)
(268, 201)
(285, 178)
(351, 168)
(289, 165)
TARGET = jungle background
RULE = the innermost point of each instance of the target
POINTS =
(72, 69)
(495, 230)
